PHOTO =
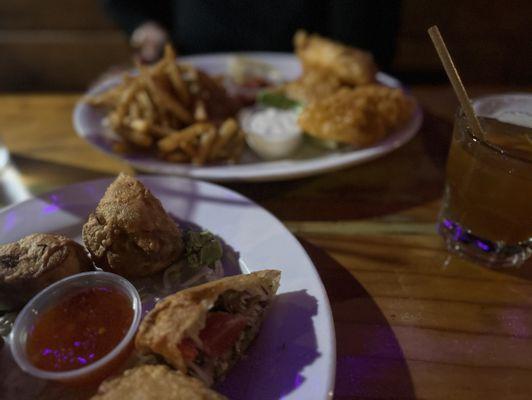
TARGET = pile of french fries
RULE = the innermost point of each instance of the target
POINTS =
(159, 110)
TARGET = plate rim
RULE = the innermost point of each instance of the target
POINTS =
(243, 172)
(325, 304)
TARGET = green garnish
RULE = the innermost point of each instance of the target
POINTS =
(277, 100)
(323, 144)
(202, 248)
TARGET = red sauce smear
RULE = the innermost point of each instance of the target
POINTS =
(80, 329)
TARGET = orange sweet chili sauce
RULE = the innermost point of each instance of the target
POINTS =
(80, 329)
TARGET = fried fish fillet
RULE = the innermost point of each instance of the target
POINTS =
(130, 233)
(313, 84)
(205, 330)
(359, 117)
(350, 65)
(36, 261)
(155, 382)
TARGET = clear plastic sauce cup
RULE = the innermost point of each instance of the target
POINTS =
(54, 295)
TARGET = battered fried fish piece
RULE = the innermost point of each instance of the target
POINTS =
(35, 262)
(205, 330)
(313, 84)
(130, 233)
(350, 65)
(359, 117)
(155, 382)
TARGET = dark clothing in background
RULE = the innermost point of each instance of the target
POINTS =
(204, 26)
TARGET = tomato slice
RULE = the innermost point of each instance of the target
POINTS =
(221, 332)
(188, 349)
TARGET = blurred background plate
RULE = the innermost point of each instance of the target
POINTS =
(307, 161)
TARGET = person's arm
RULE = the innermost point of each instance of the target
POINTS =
(130, 14)
(146, 22)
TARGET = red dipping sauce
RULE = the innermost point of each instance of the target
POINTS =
(80, 329)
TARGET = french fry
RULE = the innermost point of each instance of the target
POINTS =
(177, 83)
(139, 125)
(174, 75)
(225, 133)
(125, 100)
(160, 96)
(200, 113)
(114, 120)
(228, 127)
(164, 108)
(160, 131)
(134, 110)
(167, 102)
(238, 146)
(177, 157)
(205, 145)
(146, 105)
(189, 149)
(140, 138)
(171, 142)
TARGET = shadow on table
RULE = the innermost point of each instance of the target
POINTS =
(370, 363)
(411, 175)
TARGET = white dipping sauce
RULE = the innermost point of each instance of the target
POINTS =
(271, 132)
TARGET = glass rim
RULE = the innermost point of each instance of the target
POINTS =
(482, 141)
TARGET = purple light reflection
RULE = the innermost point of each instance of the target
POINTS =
(457, 233)
(11, 221)
(448, 224)
(53, 205)
(50, 208)
(483, 246)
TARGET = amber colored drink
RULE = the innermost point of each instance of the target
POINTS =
(487, 210)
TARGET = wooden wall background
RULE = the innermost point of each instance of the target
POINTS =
(66, 44)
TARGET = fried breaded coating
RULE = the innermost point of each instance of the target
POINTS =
(313, 84)
(130, 233)
(35, 262)
(359, 117)
(351, 66)
(183, 315)
(155, 382)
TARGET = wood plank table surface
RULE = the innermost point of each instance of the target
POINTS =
(411, 320)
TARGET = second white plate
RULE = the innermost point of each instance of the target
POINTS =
(88, 124)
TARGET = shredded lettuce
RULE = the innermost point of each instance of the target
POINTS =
(202, 248)
(201, 262)
(268, 98)
(323, 143)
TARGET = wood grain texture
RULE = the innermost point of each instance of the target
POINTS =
(60, 59)
(412, 321)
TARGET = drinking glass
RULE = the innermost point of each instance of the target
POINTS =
(487, 206)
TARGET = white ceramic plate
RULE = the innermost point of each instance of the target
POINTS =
(88, 124)
(294, 355)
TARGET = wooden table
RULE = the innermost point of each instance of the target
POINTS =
(411, 320)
